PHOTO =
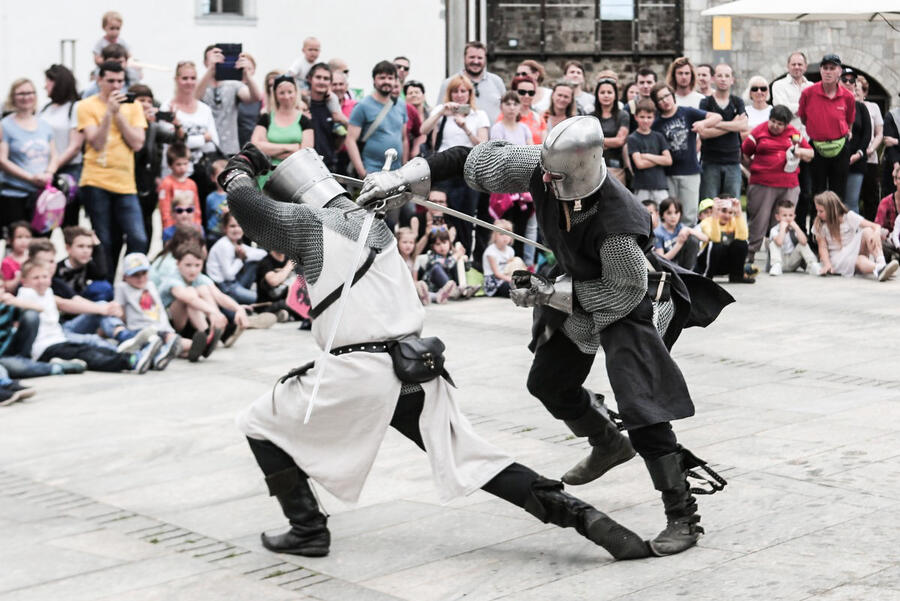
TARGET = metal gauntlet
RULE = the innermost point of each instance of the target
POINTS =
(413, 177)
(531, 289)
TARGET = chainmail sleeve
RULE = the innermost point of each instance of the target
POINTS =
(498, 166)
(296, 229)
(614, 295)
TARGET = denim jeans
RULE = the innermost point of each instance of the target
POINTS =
(110, 214)
(25, 367)
(854, 185)
(26, 332)
(239, 288)
(717, 179)
(83, 329)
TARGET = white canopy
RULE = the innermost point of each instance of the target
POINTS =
(809, 10)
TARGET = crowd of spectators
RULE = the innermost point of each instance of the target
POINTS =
(687, 143)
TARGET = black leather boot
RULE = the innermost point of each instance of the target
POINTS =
(309, 534)
(669, 475)
(609, 447)
(549, 503)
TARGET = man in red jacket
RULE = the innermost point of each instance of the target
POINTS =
(827, 110)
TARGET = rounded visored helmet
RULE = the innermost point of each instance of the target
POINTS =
(303, 178)
(573, 156)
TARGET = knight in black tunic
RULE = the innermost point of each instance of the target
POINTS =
(600, 238)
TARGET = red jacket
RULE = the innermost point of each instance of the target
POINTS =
(826, 118)
(768, 152)
(887, 213)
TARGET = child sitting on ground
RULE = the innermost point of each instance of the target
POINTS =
(673, 240)
(406, 246)
(216, 205)
(726, 250)
(18, 240)
(274, 278)
(848, 244)
(499, 261)
(442, 268)
(144, 309)
(788, 245)
(231, 264)
(183, 210)
(177, 185)
(705, 209)
(51, 341)
(83, 271)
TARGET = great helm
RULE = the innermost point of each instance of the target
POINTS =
(573, 155)
(303, 178)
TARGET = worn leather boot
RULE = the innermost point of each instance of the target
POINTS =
(551, 504)
(609, 447)
(308, 535)
(669, 476)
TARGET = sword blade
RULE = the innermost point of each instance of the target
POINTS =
(346, 179)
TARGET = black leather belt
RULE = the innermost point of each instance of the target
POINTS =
(364, 347)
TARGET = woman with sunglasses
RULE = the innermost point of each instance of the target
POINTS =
(527, 89)
(759, 108)
(562, 105)
(284, 129)
(535, 71)
(28, 156)
(614, 122)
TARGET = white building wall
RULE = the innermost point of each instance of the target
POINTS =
(163, 32)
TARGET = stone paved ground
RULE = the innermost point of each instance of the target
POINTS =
(119, 487)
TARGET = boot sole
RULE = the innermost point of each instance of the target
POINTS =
(661, 551)
(305, 552)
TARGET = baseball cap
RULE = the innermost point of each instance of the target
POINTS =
(136, 263)
(706, 203)
(831, 58)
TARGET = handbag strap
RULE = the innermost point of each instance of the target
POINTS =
(336, 293)
(378, 119)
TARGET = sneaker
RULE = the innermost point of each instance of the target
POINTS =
(8, 397)
(886, 271)
(229, 338)
(145, 356)
(23, 391)
(446, 292)
(422, 291)
(814, 268)
(70, 366)
(138, 341)
(212, 341)
(751, 270)
(198, 345)
(167, 352)
(470, 291)
(776, 269)
(261, 321)
(282, 316)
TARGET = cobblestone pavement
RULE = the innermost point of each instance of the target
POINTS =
(121, 487)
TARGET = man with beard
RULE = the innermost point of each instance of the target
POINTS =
(612, 293)
(325, 110)
(489, 88)
(377, 123)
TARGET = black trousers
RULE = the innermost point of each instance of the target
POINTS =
(723, 259)
(557, 373)
(513, 484)
(97, 358)
(830, 174)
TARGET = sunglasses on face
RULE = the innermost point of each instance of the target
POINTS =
(525, 92)
(523, 74)
(759, 89)
(401, 67)
(848, 80)
(180, 210)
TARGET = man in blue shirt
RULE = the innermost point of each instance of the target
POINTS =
(390, 131)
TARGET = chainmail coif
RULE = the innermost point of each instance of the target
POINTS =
(498, 166)
(296, 229)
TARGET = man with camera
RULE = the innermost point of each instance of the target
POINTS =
(114, 130)
(228, 81)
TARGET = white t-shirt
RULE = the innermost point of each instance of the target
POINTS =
(454, 135)
(299, 70)
(585, 102)
(519, 135)
(539, 106)
(692, 100)
(787, 245)
(501, 256)
(194, 126)
(223, 265)
(63, 118)
(756, 116)
(49, 330)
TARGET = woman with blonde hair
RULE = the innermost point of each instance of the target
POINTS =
(562, 105)
(759, 108)
(284, 129)
(28, 157)
(848, 244)
(458, 122)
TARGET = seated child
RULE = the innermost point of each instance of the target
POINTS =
(788, 245)
(441, 268)
(726, 250)
(705, 209)
(18, 241)
(84, 270)
(183, 210)
(274, 277)
(177, 185)
(216, 205)
(499, 261)
(406, 246)
(144, 309)
(231, 264)
(51, 341)
(433, 222)
(673, 240)
(848, 244)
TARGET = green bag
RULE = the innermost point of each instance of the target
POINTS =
(829, 148)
